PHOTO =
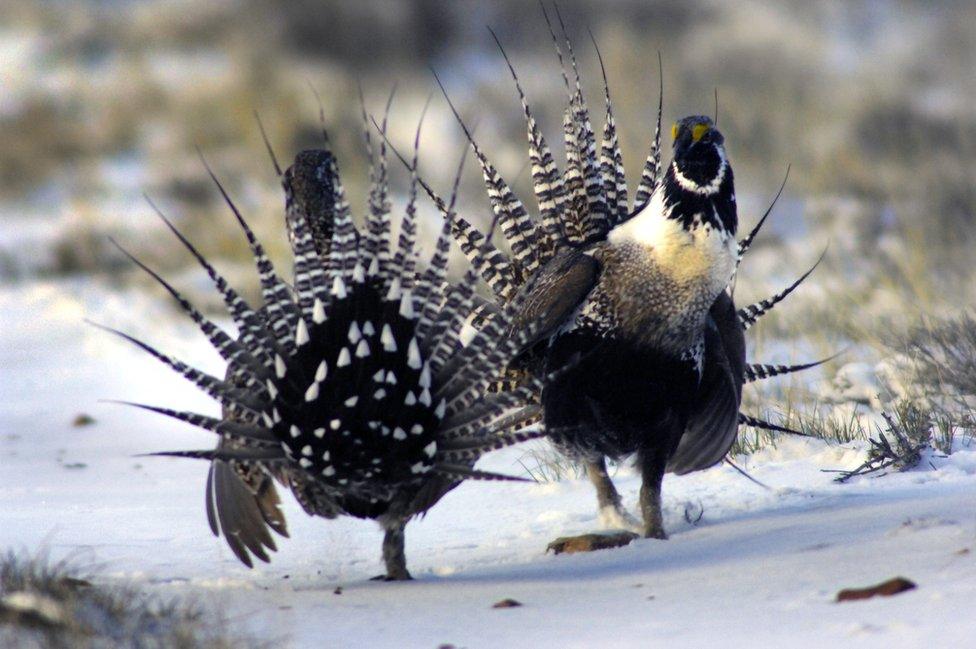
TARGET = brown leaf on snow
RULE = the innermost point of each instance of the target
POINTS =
(591, 542)
(506, 603)
(82, 419)
(884, 589)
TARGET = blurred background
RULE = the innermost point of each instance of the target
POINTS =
(873, 104)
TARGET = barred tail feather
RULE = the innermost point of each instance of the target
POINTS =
(506, 206)
(281, 310)
(229, 396)
(651, 173)
(228, 348)
(750, 314)
(252, 329)
(611, 158)
(594, 220)
(762, 371)
(755, 422)
(529, 250)
(747, 241)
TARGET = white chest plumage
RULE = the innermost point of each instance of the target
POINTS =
(701, 255)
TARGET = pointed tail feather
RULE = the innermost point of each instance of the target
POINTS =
(460, 472)
(747, 242)
(750, 314)
(507, 207)
(277, 297)
(763, 371)
(521, 232)
(611, 158)
(267, 144)
(256, 436)
(235, 455)
(226, 394)
(755, 422)
(253, 332)
(651, 173)
(228, 348)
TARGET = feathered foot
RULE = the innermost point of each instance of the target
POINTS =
(652, 469)
(611, 511)
(393, 555)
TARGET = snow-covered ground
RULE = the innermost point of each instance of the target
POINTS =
(761, 568)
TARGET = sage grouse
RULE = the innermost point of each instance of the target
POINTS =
(350, 387)
(634, 300)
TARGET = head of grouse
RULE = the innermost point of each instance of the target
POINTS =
(699, 154)
(698, 188)
(309, 186)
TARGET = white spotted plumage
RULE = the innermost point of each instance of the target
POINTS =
(314, 370)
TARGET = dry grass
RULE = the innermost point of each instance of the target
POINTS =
(53, 604)
(900, 446)
(545, 464)
(943, 355)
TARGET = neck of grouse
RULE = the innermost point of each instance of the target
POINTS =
(701, 192)
(311, 197)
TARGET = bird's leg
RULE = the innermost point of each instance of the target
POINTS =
(611, 510)
(393, 555)
(653, 464)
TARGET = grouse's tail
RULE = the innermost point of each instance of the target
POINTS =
(352, 382)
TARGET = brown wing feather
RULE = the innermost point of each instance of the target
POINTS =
(240, 520)
(556, 293)
(242, 504)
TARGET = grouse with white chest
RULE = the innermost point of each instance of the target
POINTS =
(631, 311)
(635, 298)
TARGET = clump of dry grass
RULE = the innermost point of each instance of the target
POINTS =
(546, 464)
(939, 366)
(943, 355)
(750, 440)
(830, 425)
(52, 604)
(898, 448)
(817, 421)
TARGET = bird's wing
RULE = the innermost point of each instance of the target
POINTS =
(555, 294)
(243, 505)
(729, 327)
(713, 424)
(242, 502)
(430, 492)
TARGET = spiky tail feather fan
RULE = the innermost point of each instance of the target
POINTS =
(352, 386)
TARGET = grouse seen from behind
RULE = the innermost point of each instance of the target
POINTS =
(351, 387)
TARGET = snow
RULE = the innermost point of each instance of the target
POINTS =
(760, 569)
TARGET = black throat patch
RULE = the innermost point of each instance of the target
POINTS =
(693, 208)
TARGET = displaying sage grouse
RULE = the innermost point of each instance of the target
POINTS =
(351, 386)
(634, 299)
